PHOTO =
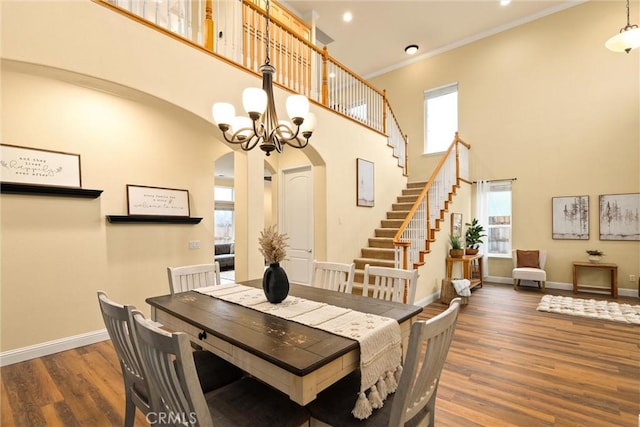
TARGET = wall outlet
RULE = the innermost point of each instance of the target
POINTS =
(194, 244)
(632, 277)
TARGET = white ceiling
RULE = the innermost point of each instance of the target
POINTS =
(374, 41)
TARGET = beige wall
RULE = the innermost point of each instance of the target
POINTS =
(139, 113)
(546, 103)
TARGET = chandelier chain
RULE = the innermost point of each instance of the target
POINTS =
(267, 60)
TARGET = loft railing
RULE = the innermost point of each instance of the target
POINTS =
(235, 30)
(412, 240)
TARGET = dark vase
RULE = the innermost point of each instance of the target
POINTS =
(275, 283)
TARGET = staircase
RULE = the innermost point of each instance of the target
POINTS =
(404, 237)
(381, 251)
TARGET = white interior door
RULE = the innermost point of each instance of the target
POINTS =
(296, 220)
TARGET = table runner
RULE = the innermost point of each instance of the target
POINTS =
(379, 337)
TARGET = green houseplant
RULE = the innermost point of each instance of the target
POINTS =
(473, 236)
(456, 250)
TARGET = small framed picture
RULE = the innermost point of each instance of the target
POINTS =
(620, 216)
(23, 165)
(143, 200)
(456, 224)
(570, 218)
(365, 184)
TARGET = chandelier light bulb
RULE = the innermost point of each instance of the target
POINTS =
(254, 101)
(297, 108)
(223, 114)
(309, 125)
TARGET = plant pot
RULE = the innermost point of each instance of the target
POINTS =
(470, 251)
(595, 258)
(456, 253)
(275, 283)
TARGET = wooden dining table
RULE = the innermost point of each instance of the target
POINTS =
(296, 359)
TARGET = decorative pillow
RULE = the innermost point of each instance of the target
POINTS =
(529, 259)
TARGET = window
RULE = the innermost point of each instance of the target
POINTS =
(224, 214)
(499, 219)
(440, 118)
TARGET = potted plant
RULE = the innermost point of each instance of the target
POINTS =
(456, 250)
(473, 236)
(595, 255)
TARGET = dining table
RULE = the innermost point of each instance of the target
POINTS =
(296, 359)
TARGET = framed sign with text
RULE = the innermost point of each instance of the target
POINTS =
(24, 165)
(143, 200)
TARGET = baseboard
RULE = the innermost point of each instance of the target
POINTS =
(50, 347)
(624, 292)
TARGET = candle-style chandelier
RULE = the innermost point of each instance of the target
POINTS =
(262, 126)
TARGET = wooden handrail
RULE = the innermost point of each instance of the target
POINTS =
(423, 193)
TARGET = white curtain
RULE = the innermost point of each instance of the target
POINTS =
(482, 214)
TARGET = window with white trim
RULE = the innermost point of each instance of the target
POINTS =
(440, 118)
(499, 219)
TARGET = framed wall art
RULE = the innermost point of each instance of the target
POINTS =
(24, 165)
(365, 184)
(570, 217)
(143, 200)
(456, 224)
(620, 216)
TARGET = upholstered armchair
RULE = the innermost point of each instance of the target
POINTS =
(529, 265)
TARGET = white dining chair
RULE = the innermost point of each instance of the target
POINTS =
(414, 401)
(212, 372)
(188, 277)
(391, 284)
(334, 276)
(176, 395)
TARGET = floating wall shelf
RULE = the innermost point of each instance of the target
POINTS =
(122, 219)
(47, 190)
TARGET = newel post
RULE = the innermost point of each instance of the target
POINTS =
(325, 77)
(384, 111)
(208, 26)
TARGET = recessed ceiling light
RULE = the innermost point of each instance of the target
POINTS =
(347, 17)
(332, 75)
(504, 2)
(411, 49)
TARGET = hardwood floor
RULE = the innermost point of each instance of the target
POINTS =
(509, 365)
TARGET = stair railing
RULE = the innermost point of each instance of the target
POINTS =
(235, 31)
(412, 240)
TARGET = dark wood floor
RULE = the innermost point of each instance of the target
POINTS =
(509, 365)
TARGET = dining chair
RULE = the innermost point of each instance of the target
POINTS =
(185, 278)
(175, 394)
(529, 265)
(334, 276)
(136, 391)
(413, 402)
(390, 284)
(212, 371)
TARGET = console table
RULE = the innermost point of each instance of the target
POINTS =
(467, 272)
(613, 270)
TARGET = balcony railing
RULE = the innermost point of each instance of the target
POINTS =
(235, 30)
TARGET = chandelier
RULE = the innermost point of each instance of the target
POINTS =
(628, 38)
(262, 126)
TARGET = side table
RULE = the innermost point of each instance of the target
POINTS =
(466, 261)
(613, 269)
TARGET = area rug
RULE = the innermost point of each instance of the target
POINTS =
(605, 310)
